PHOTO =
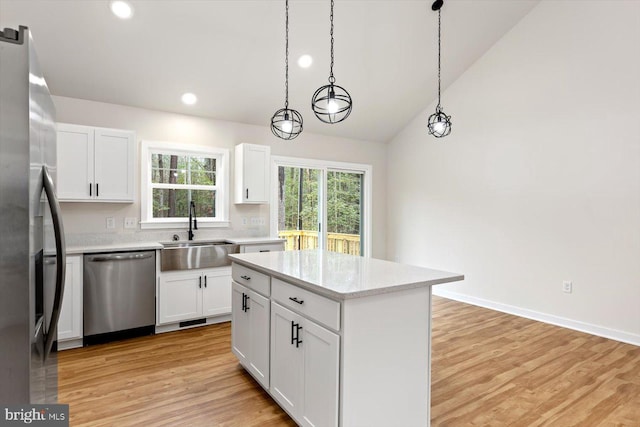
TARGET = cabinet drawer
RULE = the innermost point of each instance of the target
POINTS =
(252, 279)
(314, 306)
(265, 247)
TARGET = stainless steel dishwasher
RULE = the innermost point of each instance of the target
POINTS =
(119, 292)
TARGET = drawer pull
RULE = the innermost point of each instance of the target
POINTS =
(245, 277)
(296, 300)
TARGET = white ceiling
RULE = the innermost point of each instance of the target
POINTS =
(231, 54)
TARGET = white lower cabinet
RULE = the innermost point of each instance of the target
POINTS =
(193, 294)
(250, 331)
(70, 322)
(304, 368)
(180, 297)
(216, 294)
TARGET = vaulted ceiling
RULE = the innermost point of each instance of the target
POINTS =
(231, 54)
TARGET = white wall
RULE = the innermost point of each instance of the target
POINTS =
(539, 181)
(86, 222)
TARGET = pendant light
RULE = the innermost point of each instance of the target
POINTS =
(331, 103)
(439, 122)
(286, 123)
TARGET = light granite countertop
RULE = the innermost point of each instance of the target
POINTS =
(144, 246)
(341, 276)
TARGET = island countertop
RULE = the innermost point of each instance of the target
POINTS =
(342, 276)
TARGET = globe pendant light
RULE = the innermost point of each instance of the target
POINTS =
(286, 123)
(331, 103)
(439, 122)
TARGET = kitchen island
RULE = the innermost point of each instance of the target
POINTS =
(336, 340)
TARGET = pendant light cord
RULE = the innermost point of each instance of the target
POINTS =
(332, 79)
(286, 52)
(438, 108)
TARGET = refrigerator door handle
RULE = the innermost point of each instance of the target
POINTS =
(58, 230)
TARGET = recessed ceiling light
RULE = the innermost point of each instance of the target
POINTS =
(189, 98)
(121, 9)
(305, 61)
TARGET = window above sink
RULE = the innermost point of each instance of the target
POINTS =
(173, 175)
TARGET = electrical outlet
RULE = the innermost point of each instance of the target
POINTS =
(567, 286)
(111, 223)
(262, 221)
(130, 222)
(245, 220)
(255, 220)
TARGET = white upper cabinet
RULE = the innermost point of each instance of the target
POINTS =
(252, 173)
(95, 164)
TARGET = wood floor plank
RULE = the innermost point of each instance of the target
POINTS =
(488, 369)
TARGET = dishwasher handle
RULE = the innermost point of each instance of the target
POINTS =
(120, 257)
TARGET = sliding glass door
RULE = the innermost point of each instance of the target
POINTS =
(299, 207)
(321, 205)
(344, 212)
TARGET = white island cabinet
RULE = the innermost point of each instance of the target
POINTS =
(349, 337)
(250, 321)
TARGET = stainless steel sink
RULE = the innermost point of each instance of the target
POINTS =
(191, 255)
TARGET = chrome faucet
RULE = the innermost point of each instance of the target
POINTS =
(192, 217)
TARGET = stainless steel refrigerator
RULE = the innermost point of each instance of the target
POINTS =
(32, 252)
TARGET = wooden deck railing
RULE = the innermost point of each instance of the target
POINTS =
(308, 239)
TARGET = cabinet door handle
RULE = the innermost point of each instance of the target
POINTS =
(205, 281)
(298, 340)
(245, 301)
(97, 190)
(245, 277)
(200, 282)
(295, 334)
(247, 193)
(90, 189)
(296, 300)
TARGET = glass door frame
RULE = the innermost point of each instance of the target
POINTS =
(325, 166)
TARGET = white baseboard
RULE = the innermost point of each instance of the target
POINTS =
(588, 328)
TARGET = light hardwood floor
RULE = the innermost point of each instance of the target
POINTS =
(488, 369)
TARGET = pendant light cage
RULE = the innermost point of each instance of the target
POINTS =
(439, 122)
(286, 123)
(331, 103)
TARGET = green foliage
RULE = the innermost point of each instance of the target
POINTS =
(182, 171)
(344, 200)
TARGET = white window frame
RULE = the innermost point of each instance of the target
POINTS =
(325, 166)
(222, 184)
